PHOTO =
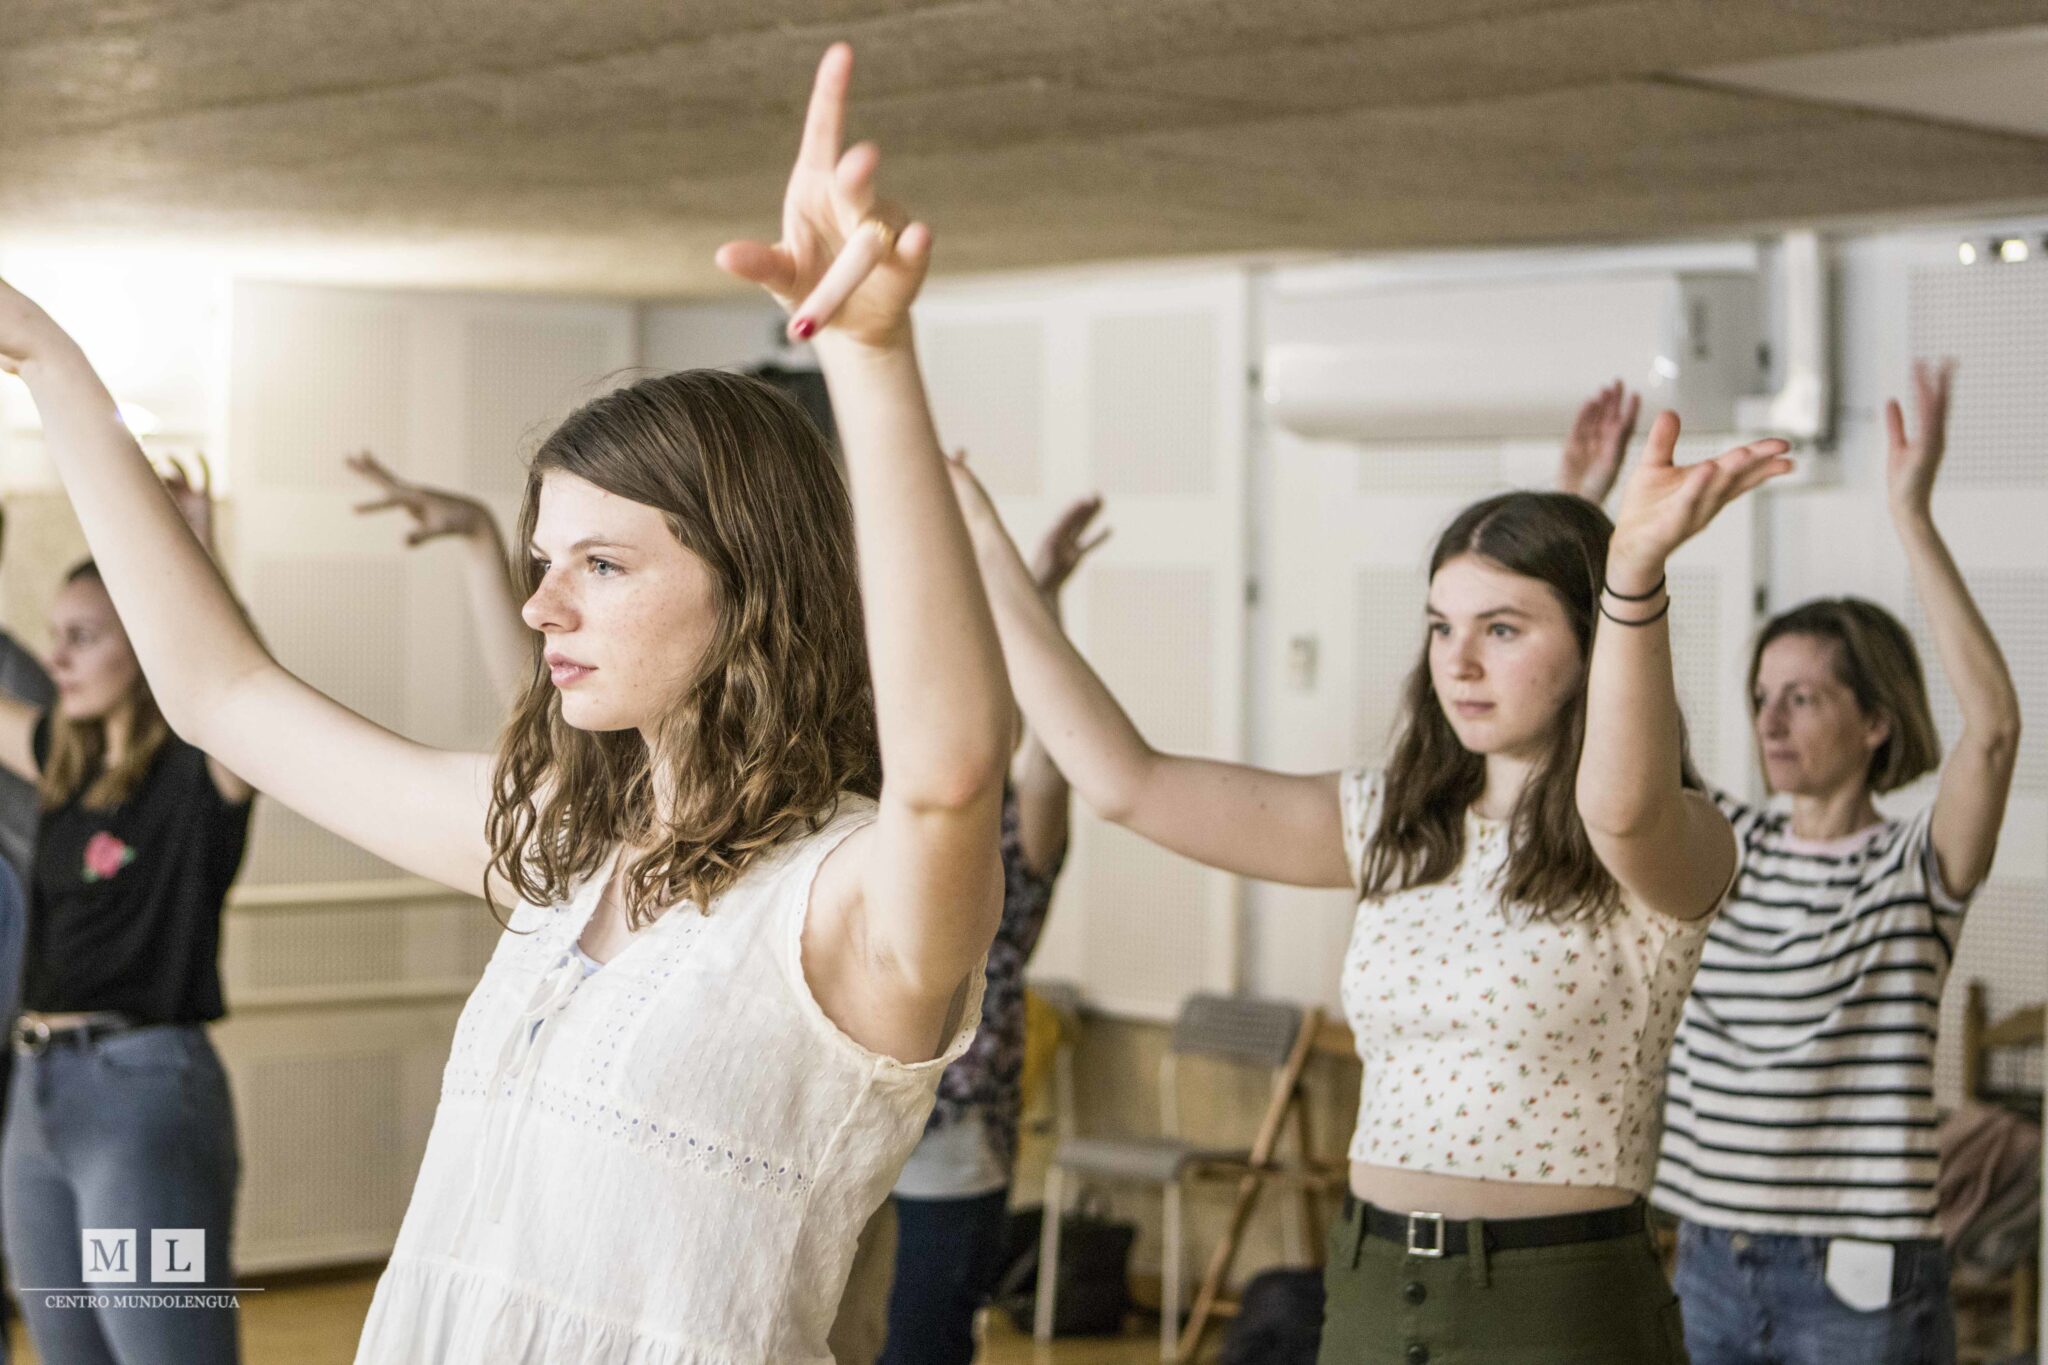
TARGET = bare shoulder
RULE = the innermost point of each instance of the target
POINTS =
(835, 892)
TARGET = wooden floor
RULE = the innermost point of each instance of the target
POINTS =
(317, 1323)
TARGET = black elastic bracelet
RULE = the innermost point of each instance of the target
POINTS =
(1646, 621)
(1624, 597)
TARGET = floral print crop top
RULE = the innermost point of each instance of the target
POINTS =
(1502, 1046)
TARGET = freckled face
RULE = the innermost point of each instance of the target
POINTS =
(627, 612)
(92, 664)
(1502, 656)
(1812, 734)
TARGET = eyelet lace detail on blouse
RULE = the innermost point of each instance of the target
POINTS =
(666, 1161)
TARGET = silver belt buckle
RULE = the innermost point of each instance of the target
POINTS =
(1435, 1249)
(31, 1036)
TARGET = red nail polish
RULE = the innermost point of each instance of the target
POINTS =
(803, 329)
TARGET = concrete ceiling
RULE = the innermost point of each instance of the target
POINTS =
(608, 145)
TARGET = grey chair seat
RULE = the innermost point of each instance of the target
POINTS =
(1148, 1160)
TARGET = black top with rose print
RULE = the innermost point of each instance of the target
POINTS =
(125, 904)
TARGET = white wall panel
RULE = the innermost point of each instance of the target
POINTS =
(343, 976)
(1134, 388)
(987, 382)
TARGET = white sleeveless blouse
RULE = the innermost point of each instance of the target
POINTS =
(665, 1162)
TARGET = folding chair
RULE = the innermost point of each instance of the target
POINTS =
(2015, 1294)
(1254, 1033)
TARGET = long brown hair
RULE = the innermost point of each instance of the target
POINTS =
(779, 719)
(1432, 780)
(78, 748)
(1874, 658)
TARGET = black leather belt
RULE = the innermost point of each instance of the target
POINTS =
(1432, 1234)
(34, 1036)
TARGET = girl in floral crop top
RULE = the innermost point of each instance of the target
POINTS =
(1534, 874)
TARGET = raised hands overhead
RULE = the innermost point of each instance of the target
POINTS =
(1976, 781)
(920, 891)
(1669, 849)
(831, 213)
(1597, 442)
(505, 644)
(210, 675)
(27, 333)
(1915, 455)
(1278, 826)
(1663, 505)
(435, 512)
(1066, 543)
(194, 498)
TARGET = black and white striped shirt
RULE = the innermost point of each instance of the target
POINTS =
(1801, 1087)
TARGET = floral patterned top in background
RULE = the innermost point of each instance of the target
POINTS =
(986, 1077)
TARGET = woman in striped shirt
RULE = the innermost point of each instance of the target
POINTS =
(1799, 1139)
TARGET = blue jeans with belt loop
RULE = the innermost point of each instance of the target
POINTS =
(1755, 1298)
(133, 1131)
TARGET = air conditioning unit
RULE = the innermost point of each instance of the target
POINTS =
(1515, 358)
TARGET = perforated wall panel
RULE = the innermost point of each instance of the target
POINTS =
(338, 622)
(987, 383)
(522, 376)
(1387, 607)
(312, 384)
(1697, 663)
(1151, 633)
(324, 1146)
(1430, 467)
(2014, 606)
(1148, 926)
(1994, 322)
(1152, 403)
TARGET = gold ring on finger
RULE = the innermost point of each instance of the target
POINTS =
(883, 231)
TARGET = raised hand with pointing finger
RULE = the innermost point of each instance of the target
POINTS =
(847, 259)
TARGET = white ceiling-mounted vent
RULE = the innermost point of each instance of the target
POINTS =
(1510, 359)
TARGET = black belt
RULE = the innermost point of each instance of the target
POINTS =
(33, 1037)
(1432, 1234)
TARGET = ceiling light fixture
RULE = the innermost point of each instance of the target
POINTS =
(2013, 250)
(1966, 253)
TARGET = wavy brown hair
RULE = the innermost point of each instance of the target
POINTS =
(78, 748)
(1432, 780)
(779, 718)
(1874, 658)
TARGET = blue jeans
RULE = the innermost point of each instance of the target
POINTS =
(134, 1130)
(948, 1255)
(1760, 1299)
